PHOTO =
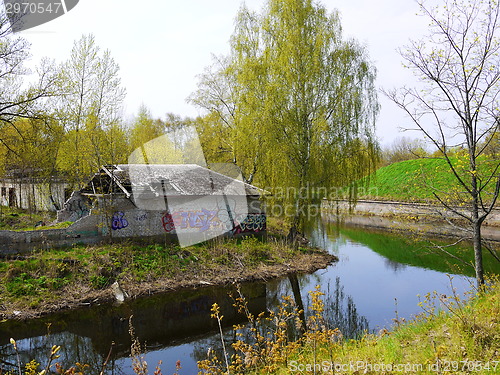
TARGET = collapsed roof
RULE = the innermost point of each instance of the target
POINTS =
(165, 180)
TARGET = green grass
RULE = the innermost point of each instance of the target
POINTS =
(417, 180)
(53, 275)
(453, 335)
(12, 218)
(61, 225)
(460, 337)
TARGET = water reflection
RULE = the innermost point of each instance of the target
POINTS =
(340, 309)
(395, 266)
(160, 321)
(360, 290)
(341, 312)
(377, 268)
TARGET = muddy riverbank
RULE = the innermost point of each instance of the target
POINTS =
(197, 270)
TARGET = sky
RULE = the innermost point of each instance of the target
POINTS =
(162, 46)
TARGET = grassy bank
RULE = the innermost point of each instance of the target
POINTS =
(12, 218)
(57, 279)
(417, 180)
(451, 336)
(460, 338)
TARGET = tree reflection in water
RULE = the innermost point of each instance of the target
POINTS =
(76, 349)
(339, 312)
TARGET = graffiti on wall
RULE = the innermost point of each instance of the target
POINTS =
(206, 219)
(251, 223)
(167, 222)
(201, 220)
(77, 209)
(118, 221)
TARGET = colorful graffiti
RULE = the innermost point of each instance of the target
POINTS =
(205, 219)
(167, 222)
(251, 223)
(202, 220)
(118, 221)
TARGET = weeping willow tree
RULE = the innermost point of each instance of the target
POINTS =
(294, 104)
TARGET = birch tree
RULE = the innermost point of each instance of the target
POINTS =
(20, 100)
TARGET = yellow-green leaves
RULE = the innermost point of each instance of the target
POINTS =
(293, 104)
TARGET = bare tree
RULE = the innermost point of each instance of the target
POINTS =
(18, 99)
(458, 105)
(404, 149)
(90, 108)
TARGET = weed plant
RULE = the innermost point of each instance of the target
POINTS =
(453, 335)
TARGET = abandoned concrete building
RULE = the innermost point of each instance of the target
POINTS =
(176, 202)
(24, 189)
(187, 201)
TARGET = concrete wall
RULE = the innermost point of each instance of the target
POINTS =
(402, 216)
(85, 230)
(76, 207)
(199, 219)
(412, 211)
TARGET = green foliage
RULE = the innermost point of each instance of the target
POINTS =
(293, 104)
(30, 145)
(89, 111)
(144, 128)
(22, 100)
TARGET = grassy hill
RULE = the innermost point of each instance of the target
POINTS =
(417, 180)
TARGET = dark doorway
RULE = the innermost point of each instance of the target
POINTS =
(12, 197)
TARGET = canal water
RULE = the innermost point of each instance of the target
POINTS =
(378, 278)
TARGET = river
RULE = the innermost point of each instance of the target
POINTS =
(378, 278)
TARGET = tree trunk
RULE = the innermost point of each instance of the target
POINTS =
(476, 222)
(478, 254)
(294, 282)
